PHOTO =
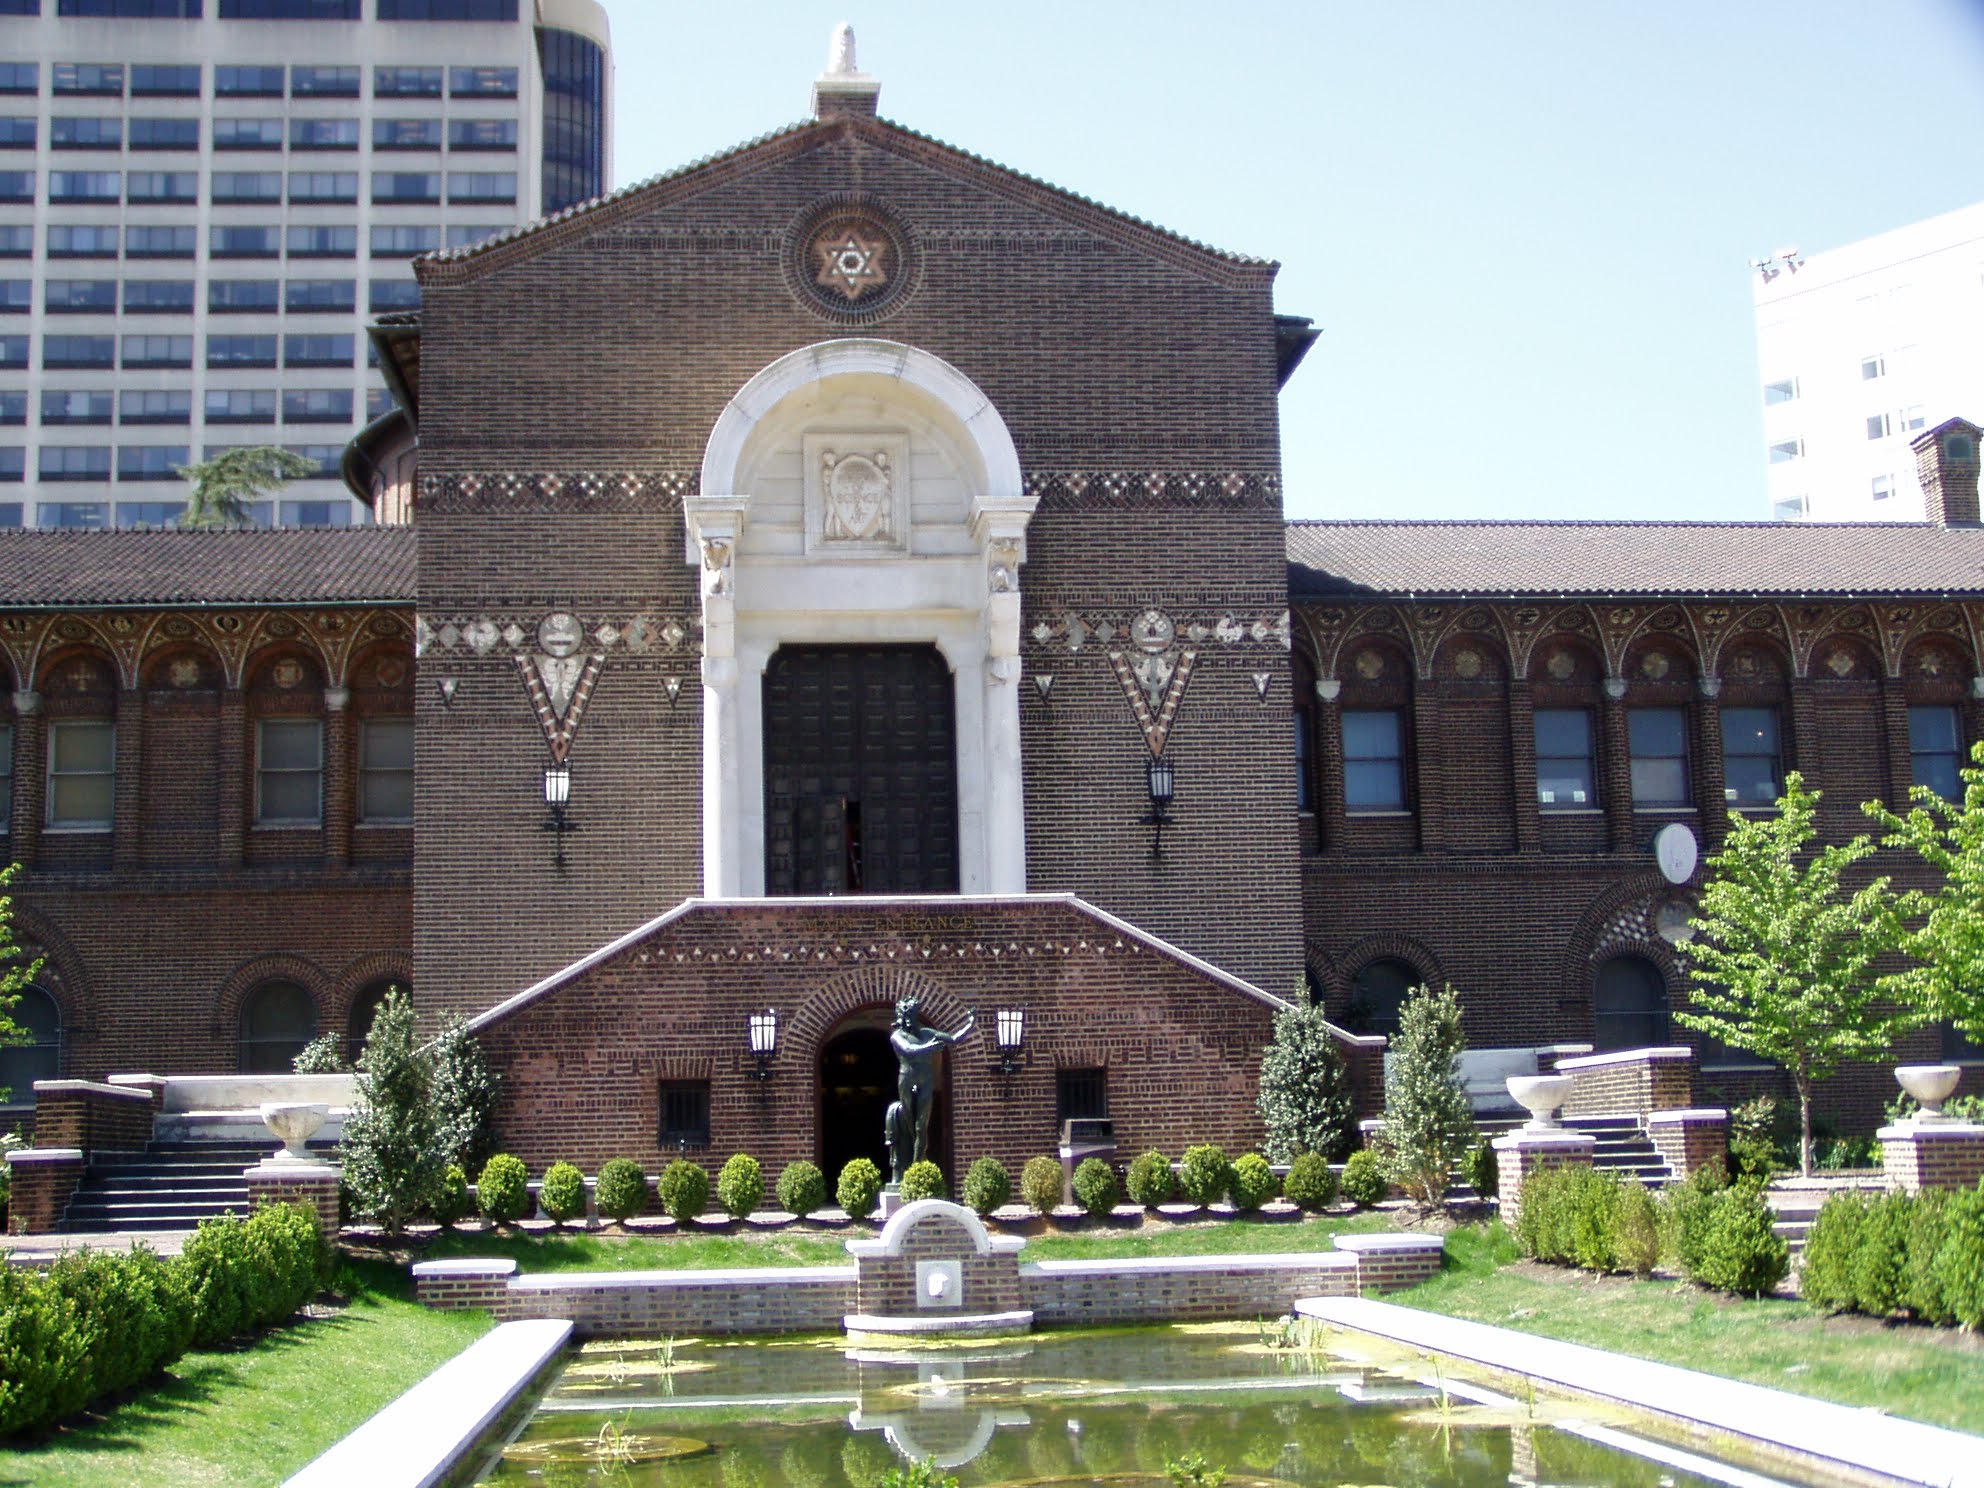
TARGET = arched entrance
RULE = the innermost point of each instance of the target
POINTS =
(857, 1084)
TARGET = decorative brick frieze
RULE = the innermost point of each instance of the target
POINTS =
(1129, 490)
(579, 491)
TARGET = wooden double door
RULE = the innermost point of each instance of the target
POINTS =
(861, 774)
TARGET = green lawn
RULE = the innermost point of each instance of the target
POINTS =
(255, 1415)
(1933, 1375)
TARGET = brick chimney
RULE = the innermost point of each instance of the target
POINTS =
(844, 89)
(1946, 461)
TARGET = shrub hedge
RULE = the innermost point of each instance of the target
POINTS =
(562, 1194)
(1204, 1176)
(1363, 1180)
(1150, 1181)
(987, 1185)
(503, 1190)
(860, 1185)
(1040, 1184)
(1920, 1254)
(1253, 1182)
(740, 1187)
(1311, 1182)
(1095, 1186)
(684, 1190)
(923, 1180)
(97, 1322)
(802, 1188)
(621, 1191)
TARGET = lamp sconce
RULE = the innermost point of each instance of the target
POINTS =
(557, 796)
(762, 1030)
(1009, 1032)
(1158, 777)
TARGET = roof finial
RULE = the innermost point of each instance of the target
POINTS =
(843, 88)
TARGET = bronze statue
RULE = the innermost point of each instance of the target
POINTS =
(918, 1048)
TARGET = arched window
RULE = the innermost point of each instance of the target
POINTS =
(1629, 1005)
(278, 1019)
(1377, 993)
(364, 1008)
(40, 1058)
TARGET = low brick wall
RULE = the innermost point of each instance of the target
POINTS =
(787, 1299)
(1919, 1157)
(92, 1117)
(1689, 1140)
(1632, 1082)
(43, 1179)
(1082, 1293)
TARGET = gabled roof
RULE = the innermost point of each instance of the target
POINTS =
(456, 264)
(226, 566)
(1433, 560)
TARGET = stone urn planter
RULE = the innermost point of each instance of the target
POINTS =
(1542, 1096)
(1930, 1085)
(294, 1124)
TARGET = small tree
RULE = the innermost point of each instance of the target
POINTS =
(16, 971)
(1947, 943)
(1429, 1122)
(465, 1091)
(394, 1153)
(1305, 1098)
(223, 488)
(1782, 965)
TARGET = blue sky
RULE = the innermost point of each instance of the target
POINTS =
(1524, 226)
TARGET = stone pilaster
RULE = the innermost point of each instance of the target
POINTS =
(1919, 1154)
(280, 1180)
(43, 1179)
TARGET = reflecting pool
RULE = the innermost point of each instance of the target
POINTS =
(1049, 1411)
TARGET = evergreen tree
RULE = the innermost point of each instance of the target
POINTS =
(1305, 1097)
(395, 1156)
(1429, 1122)
(1782, 965)
(223, 488)
(465, 1091)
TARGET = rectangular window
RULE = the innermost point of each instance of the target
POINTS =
(447, 10)
(6, 777)
(323, 186)
(316, 513)
(157, 406)
(241, 351)
(179, 81)
(378, 403)
(467, 233)
(1782, 391)
(158, 351)
(240, 405)
(1883, 487)
(1305, 761)
(1566, 768)
(82, 764)
(482, 186)
(393, 294)
(1873, 367)
(1080, 1095)
(289, 772)
(1877, 426)
(161, 242)
(16, 240)
(247, 134)
(17, 186)
(1752, 774)
(20, 77)
(150, 461)
(685, 1114)
(401, 187)
(78, 351)
(85, 186)
(13, 470)
(63, 407)
(324, 82)
(165, 134)
(404, 242)
(73, 516)
(1935, 750)
(243, 296)
(323, 242)
(75, 462)
(406, 82)
(149, 513)
(97, 78)
(482, 82)
(406, 134)
(243, 242)
(327, 458)
(14, 352)
(1788, 449)
(482, 134)
(318, 351)
(19, 131)
(80, 296)
(289, 10)
(180, 187)
(133, 10)
(315, 296)
(385, 770)
(1657, 740)
(248, 82)
(158, 296)
(82, 242)
(1913, 418)
(253, 188)
(79, 133)
(1373, 760)
(317, 406)
(14, 406)
(323, 134)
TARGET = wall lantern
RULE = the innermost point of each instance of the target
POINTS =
(1010, 1031)
(1157, 775)
(763, 1032)
(557, 795)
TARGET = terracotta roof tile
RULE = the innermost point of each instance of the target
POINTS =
(308, 565)
(1435, 559)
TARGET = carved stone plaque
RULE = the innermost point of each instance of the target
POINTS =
(857, 494)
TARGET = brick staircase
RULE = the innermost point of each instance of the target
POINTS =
(169, 1186)
(1623, 1147)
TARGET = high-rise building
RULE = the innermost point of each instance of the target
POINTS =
(202, 202)
(1861, 348)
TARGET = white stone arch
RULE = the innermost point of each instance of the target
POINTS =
(945, 571)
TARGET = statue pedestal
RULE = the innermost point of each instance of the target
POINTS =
(892, 1200)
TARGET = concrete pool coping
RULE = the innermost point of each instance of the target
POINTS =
(419, 1439)
(1841, 1439)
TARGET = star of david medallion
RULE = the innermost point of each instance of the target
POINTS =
(848, 258)
(852, 263)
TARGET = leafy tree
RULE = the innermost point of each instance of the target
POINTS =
(1947, 943)
(1429, 1121)
(395, 1154)
(1305, 1097)
(223, 487)
(465, 1091)
(15, 970)
(1783, 966)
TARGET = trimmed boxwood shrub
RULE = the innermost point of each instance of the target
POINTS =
(684, 1190)
(1040, 1184)
(503, 1190)
(860, 1185)
(740, 1187)
(452, 1203)
(135, 1308)
(1311, 1182)
(1254, 1182)
(1922, 1288)
(1095, 1186)
(1739, 1251)
(1150, 1181)
(562, 1193)
(1636, 1228)
(621, 1191)
(802, 1188)
(1880, 1259)
(987, 1185)
(1204, 1176)
(1484, 1170)
(1831, 1250)
(1959, 1263)
(1363, 1180)
(1691, 1207)
(923, 1180)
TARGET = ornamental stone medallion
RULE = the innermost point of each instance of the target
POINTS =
(849, 259)
(857, 501)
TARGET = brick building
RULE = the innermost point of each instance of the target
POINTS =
(849, 568)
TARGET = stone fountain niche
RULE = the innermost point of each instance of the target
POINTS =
(936, 1272)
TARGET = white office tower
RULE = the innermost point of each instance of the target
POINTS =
(203, 202)
(1861, 348)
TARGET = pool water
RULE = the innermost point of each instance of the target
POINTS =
(1056, 1409)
